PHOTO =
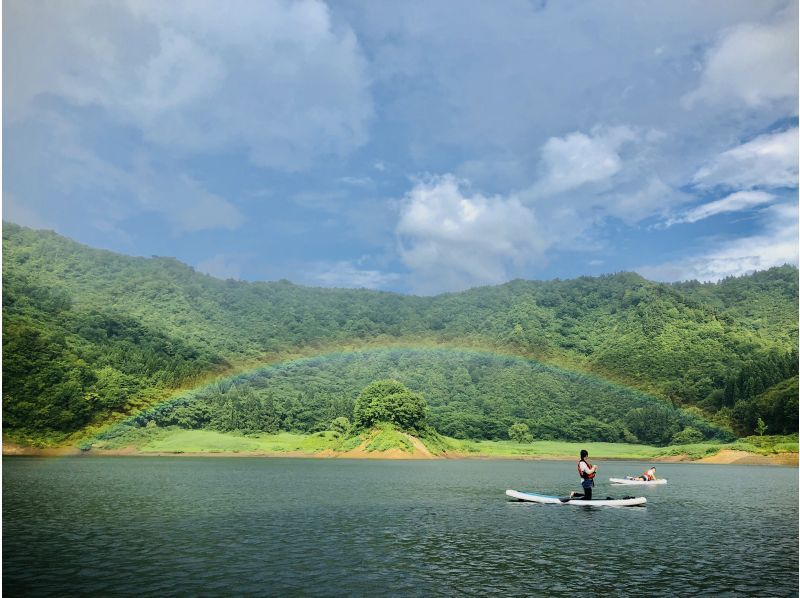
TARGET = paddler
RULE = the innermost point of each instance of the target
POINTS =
(648, 476)
(587, 471)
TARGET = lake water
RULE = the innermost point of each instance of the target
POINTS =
(283, 527)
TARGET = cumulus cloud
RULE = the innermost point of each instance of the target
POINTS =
(754, 64)
(607, 172)
(775, 246)
(275, 79)
(577, 158)
(452, 240)
(769, 160)
(735, 202)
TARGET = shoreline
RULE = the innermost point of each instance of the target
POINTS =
(723, 457)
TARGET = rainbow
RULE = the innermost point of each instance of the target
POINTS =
(283, 362)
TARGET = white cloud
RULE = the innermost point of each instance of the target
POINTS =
(344, 274)
(287, 84)
(775, 246)
(611, 171)
(577, 158)
(752, 63)
(735, 202)
(221, 266)
(541, 69)
(276, 79)
(452, 241)
(769, 160)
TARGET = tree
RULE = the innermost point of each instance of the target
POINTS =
(653, 423)
(761, 427)
(390, 401)
(688, 435)
(341, 425)
(520, 432)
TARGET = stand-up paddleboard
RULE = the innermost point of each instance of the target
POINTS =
(598, 502)
(630, 482)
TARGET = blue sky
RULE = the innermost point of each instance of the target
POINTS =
(420, 147)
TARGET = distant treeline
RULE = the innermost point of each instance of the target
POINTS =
(89, 332)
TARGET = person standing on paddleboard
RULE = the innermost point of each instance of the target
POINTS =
(587, 471)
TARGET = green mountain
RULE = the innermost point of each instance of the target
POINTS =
(89, 335)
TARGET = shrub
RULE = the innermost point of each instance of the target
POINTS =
(520, 432)
(340, 425)
(688, 435)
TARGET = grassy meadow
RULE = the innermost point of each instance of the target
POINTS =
(386, 438)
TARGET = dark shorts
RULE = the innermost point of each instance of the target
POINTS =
(587, 489)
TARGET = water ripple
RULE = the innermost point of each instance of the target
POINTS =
(272, 527)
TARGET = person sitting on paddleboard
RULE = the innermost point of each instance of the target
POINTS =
(587, 472)
(647, 476)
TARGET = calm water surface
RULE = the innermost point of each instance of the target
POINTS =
(222, 526)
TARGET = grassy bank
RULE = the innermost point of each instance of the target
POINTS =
(387, 440)
(207, 441)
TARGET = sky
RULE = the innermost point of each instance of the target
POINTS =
(420, 147)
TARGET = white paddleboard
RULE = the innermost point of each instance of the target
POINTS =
(629, 482)
(555, 500)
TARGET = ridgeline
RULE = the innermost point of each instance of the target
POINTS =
(91, 336)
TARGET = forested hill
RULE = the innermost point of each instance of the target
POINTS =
(89, 332)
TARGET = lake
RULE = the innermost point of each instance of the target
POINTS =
(271, 526)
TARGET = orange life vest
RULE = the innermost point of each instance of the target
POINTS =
(585, 474)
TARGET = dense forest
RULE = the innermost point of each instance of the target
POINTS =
(88, 334)
(469, 395)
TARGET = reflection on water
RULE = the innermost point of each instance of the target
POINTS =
(215, 526)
